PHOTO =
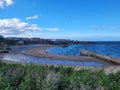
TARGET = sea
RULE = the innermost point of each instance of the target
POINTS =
(108, 48)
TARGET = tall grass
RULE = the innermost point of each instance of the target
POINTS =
(37, 77)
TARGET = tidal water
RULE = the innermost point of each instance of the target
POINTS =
(46, 61)
(111, 49)
(18, 55)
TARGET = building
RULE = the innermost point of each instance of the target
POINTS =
(21, 43)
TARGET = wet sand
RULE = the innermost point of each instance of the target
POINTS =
(41, 52)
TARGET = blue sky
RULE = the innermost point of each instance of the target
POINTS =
(71, 19)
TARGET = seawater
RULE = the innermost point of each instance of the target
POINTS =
(111, 49)
(46, 61)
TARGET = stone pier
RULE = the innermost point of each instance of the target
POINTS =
(99, 56)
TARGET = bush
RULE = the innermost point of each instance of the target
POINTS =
(37, 77)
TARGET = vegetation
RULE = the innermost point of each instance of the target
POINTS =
(1, 43)
(37, 77)
(11, 42)
(1, 38)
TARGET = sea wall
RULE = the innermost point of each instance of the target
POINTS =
(103, 57)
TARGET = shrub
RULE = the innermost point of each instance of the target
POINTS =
(37, 77)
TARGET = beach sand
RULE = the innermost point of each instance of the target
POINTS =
(41, 52)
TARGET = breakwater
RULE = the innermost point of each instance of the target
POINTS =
(100, 56)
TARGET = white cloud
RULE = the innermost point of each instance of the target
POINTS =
(4, 3)
(32, 17)
(9, 2)
(52, 29)
(15, 27)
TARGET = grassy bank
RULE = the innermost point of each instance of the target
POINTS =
(36, 77)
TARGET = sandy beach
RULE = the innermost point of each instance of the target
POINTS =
(41, 52)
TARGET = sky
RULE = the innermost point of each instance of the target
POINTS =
(84, 20)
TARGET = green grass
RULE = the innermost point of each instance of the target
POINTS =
(38, 77)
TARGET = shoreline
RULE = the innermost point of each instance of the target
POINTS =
(41, 53)
(106, 69)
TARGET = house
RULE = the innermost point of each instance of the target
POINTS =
(21, 43)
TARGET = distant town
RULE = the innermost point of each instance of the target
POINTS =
(27, 41)
(5, 42)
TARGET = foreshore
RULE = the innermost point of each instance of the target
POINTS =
(41, 52)
(106, 69)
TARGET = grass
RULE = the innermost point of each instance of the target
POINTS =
(37, 77)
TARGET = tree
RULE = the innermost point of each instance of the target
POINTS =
(1, 38)
(2, 46)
